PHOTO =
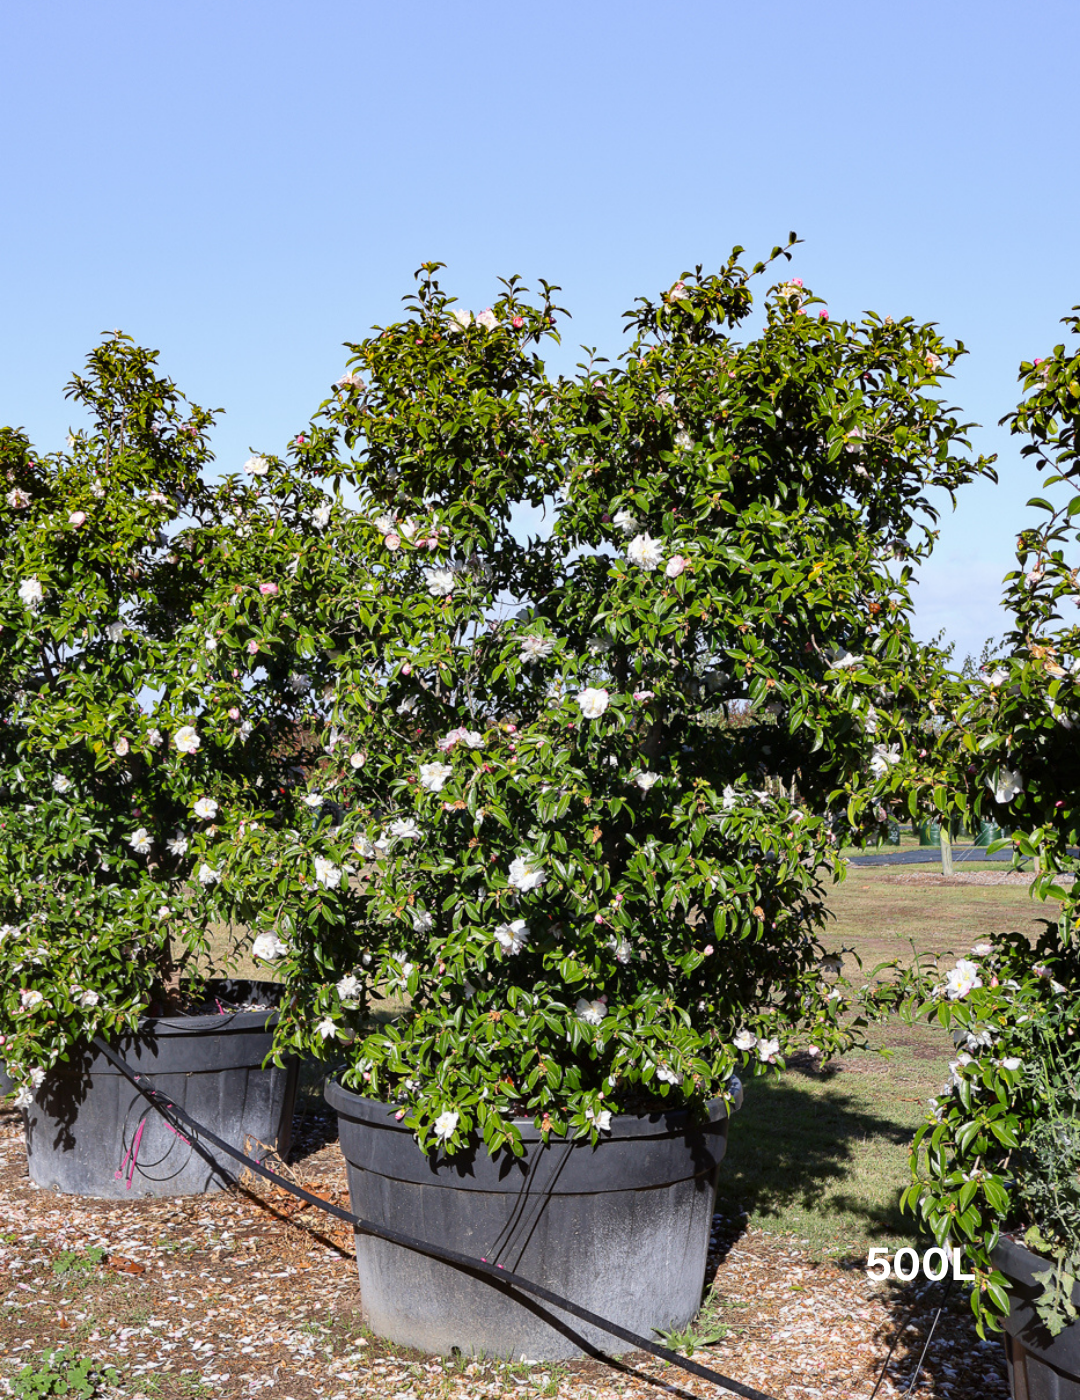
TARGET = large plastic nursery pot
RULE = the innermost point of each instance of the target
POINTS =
(89, 1131)
(621, 1229)
(1041, 1367)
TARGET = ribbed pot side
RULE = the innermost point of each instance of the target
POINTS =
(621, 1229)
(89, 1132)
(1041, 1367)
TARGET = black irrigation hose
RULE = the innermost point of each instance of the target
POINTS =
(926, 1345)
(479, 1267)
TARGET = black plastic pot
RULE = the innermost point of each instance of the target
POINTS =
(89, 1132)
(1041, 1367)
(621, 1229)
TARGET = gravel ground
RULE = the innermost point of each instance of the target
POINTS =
(240, 1294)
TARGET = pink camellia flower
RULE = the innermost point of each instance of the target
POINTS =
(77, 518)
(518, 322)
(823, 315)
(406, 670)
(675, 565)
(268, 590)
(644, 694)
(234, 713)
(598, 918)
(392, 541)
(252, 647)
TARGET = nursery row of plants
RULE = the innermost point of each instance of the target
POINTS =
(335, 700)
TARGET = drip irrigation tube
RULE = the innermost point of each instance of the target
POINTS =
(495, 1274)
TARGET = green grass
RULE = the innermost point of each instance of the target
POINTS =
(822, 1156)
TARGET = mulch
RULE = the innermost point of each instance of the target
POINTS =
(248, 1293)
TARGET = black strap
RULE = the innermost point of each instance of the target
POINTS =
(478, 1267)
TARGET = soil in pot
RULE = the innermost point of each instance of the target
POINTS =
(1041, 1367)
(621, 1229)
(89, 1131)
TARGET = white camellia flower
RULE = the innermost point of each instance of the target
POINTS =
(141, 841)
(154, 739)
(31, 593)
(962, 979)
(186, 739)
(320, 516)
(591, 1011)
(327, 873)
(434, 775)
(164, 913)
(1006, 785)
(446, 1124)
(646, 780)
(668, 1076)
(535, 649)
(408, 705)
(601, 1121)
(268, 947)
(405, 829)
(246, 730)
(178, 845)
(89, 999)
(61, 784)
(256, 466)
(487, 319)
(6, 930)
(462, 317)
(18, 500)
(313, 799)
(525, 875)
(422, 921)
(675, 565)
(745, 1040)
(731, 797)
(645, 552)
(593, 702)
(363, 846)
(121, 748)
(28, 999)
(358, 759)
(349, 988)
(513, 936)
(767, 1049)
(326, 1028)
(982, 950)
(1011, 1064)
(440, 582)
(625, 522)
(210, 642)
(883, 758)
(115, 631)
(683, 439)
(622, 950)
(997, 677)
(350, 380)
(208, 875)
(299, 682)
(843, 660)
(206, 808)
(24, 1098)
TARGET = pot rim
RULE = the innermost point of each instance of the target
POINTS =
(181, 1024)
(376, 1113)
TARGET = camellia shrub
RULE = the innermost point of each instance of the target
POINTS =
(530, 845)
(1000, 1143)
(151, 706)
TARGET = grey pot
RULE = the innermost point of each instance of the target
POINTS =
(1041, 1367)
(89, 1132)
(621, 1229)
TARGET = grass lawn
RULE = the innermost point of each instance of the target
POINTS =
(822, 1156)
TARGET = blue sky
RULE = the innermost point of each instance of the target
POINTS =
(247, 186)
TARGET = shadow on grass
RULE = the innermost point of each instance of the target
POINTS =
(816, 1156)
